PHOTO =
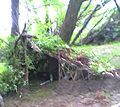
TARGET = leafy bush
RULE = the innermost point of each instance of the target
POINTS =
(51, 43)
(10, 79)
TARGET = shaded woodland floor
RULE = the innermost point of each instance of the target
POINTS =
(81, 93)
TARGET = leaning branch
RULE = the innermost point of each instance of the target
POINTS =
(85, 24)
(4, 41)
(95, 26)
(117, 6)
(20, 35)
(90, 37)
(84, 10)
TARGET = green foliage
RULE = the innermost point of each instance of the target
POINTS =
(3, 45)
(100, 64)
(2, 68)
(12, 70)
(102, 58)
(10, 79)
(51, 43)
(56, 4)
(60, 17)
(41, 28)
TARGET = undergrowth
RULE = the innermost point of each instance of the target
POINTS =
(12, 61)
(51, 43)
(102, 57)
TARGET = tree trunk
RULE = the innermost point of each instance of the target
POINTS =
(15, 17)
(70, 20)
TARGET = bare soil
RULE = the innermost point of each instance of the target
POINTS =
(82, 93)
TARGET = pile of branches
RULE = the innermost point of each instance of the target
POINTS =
(69, 68)
(73, 69)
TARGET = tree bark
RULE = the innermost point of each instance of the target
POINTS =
(15, 17)
(70, 20)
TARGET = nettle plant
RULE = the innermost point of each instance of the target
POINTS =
(100, 64)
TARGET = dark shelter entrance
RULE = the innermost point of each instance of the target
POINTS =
(46, 68)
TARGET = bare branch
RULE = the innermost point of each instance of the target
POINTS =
(95, 25)
(117, 6)
(84, 10)
(85, 23)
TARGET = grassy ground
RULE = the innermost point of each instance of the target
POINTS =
(103, 57)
